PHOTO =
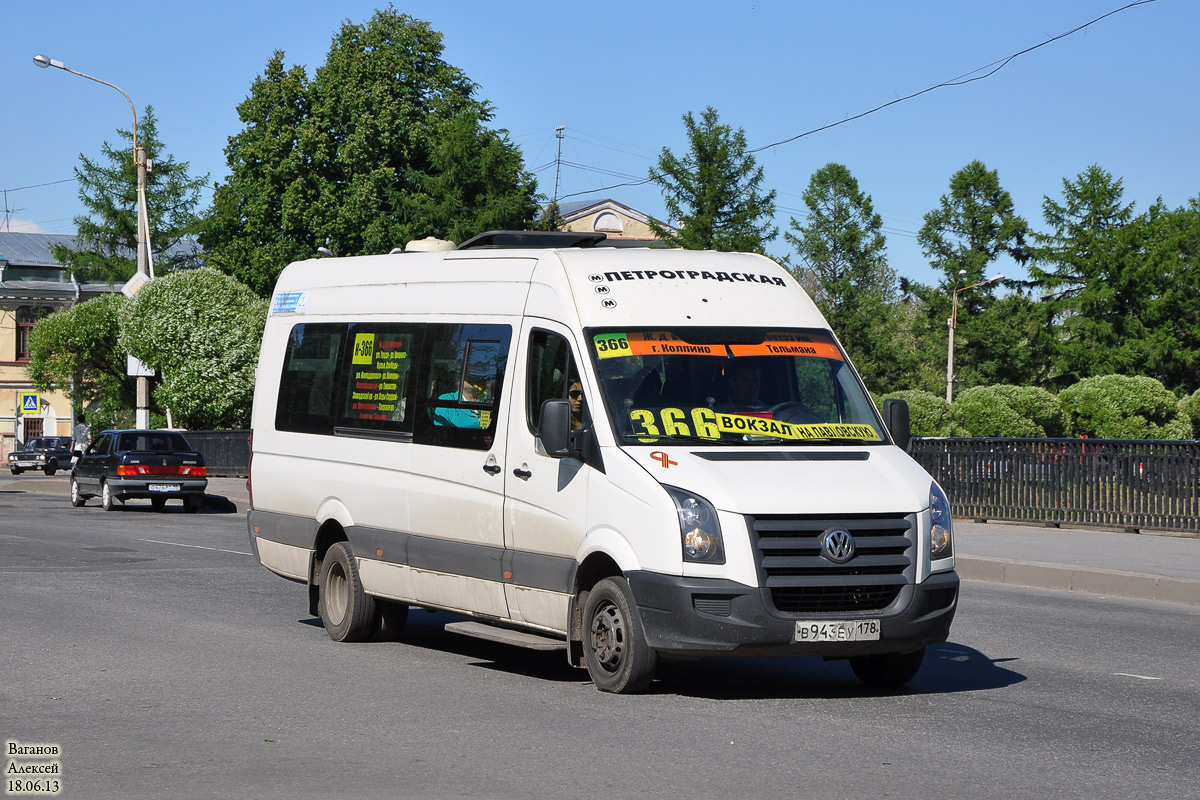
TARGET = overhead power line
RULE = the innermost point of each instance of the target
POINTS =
(39, 185)
(961, 80)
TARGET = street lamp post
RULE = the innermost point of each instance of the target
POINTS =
(953, 325)
(145, 262)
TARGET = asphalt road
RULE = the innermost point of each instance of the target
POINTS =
(164, 662)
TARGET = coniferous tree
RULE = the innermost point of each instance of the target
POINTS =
(975, 224)
(714, 191)
(1123, 286)
(106, 238)
(842, 247)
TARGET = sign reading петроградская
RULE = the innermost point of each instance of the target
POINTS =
(32, 769)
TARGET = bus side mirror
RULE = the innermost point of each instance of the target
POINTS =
(895, 416)
(554, 427)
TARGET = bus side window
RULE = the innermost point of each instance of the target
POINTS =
(462, 387)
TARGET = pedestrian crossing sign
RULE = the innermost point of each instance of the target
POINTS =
(29, 402)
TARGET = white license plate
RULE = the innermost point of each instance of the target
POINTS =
(164, 487)
(26, 464)
(859, 630)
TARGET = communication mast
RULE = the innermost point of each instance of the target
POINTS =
(558, 134)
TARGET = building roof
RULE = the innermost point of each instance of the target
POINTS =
(32, 249)
(29, 272)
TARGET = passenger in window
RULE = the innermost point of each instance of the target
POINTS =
(744, 379)
(458, 417)
(575, 395)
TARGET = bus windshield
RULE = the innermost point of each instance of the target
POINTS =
(731, 386)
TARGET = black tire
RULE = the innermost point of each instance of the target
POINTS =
(349, 614)
(614, 643)
(393, 616)
(891, 669)
(15, 470)
(158, 503)
(107, 501)
(78, 498)
(192, 504)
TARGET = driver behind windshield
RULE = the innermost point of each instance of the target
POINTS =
(744, 379)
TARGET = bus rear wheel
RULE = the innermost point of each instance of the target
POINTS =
(349, 613)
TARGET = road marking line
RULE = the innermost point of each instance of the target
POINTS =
(197, 546)
(1139, 677)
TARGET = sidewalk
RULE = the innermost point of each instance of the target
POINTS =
(1143, 566)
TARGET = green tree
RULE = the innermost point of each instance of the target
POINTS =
(1123, 285)
(1124, 407)
(842, 247)
(974, 225)
(1190, 407)
(106, 240)
(1002, 410)
(387, 143)
(257, 223)
(551, 218)
(1019, 343)
(929, 414)
(714, 191)
(77, 349)
(841, 244)
(1162, 332)
(1087, 264)
(201, 331)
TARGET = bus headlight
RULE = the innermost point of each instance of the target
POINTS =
(941, 526)
(698, 527)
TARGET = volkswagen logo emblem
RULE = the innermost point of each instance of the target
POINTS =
(837, 546)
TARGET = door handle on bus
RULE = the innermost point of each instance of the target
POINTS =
(522, 473)
(492, 469)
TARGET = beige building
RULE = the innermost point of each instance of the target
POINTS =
(32, 284)
(623, 225)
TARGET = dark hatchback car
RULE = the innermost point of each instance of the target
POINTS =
(47, 453)
(153, 465)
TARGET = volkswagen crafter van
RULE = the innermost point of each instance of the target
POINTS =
(630, 454)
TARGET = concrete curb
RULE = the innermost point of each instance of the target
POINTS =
(1087, 580)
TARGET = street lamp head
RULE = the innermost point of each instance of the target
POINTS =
(45, 61)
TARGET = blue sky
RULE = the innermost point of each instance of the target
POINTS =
(620, 75)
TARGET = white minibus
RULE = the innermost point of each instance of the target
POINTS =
(630, 454)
